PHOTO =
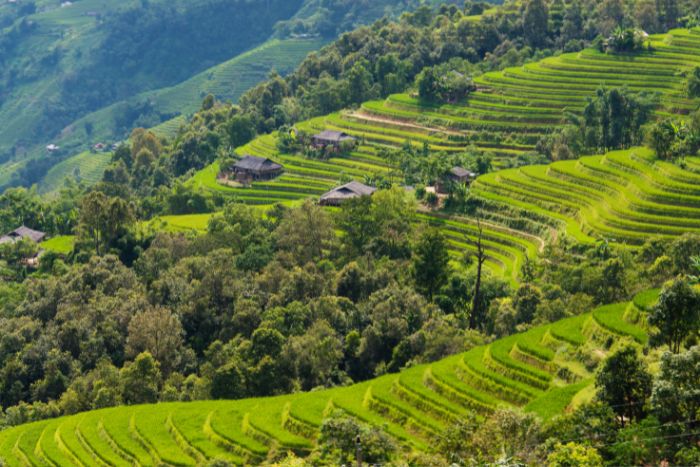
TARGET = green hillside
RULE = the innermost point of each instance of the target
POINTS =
(506, 116)
(511, 110)
(226, 81)
(59, 46)
(540, 371)
(623, 196)
(86, 167)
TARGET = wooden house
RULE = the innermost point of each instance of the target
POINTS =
(330, 138)
(22, 233)
(256, 168)
(338, 195)
(456, 175)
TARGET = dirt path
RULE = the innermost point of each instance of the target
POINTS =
(403, 123)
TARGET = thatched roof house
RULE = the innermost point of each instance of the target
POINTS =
(257, 168)
(336, 196)
(457, 175)
(21, 233)
(460, 174)
(330, 138)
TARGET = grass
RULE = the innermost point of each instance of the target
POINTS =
(411, 406)
(62, 244)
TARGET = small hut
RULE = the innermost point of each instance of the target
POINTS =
(22, 233)
(330, 138)
(256, 168)
(338, 195)
(456, 175)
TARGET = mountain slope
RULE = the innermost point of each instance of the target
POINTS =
(61, 65)
(541, 371)
(174, 104)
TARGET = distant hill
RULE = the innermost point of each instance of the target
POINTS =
(66, 66)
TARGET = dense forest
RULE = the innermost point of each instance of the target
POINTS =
(297, 297)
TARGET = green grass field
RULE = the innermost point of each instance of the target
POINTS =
(521, 371)
(62, 244)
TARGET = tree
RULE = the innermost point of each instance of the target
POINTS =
(306, 232)
(340, 436)
(535, 22)
(624, 384)
(480, 255)
(431, 263)
(240, 129)
(693, 83)
(357, 221)
(315, 356)
(661, 138)
(428, 84)
(159, 332)
(675, 397)
(228, 382)
(526, 300)
(103, 218)
(613, 118)
(574, 455)
(140, 380)
(676, 315)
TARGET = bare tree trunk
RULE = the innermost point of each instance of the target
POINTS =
(480, 260)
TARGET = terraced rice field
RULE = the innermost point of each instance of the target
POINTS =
(87, 167)
(537, 371)
(624, 196)
(619, 197)
(513, 108)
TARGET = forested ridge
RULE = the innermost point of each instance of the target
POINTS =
(547, 312)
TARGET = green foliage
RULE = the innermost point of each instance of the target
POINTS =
(431, 263)
(141, 380)
(693, 83)
(624, 384)
(573, 454)
(674, 397)
(676, 315)
(341, 438)
(445, 83)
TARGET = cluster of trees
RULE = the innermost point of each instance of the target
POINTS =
(257, 306)
(444, 82)
(674, 139)
(614, 118)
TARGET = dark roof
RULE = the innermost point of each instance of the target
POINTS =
(461, 172)
(349, 190)
(23, 232)
(258, 164)
(334, 136)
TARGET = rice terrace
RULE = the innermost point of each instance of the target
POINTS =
(379, 232)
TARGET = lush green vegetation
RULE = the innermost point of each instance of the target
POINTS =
(74, 73)
(533, 370)
(623, 196)
(544, 313)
